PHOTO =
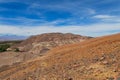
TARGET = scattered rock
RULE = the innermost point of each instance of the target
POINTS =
(102, 58)
(115, 70)
(70, 79)
(9, 49)
(110, 78)
(105, 62)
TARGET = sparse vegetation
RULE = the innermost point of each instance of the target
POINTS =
(3, 47)
(8, 42)
(16, 50)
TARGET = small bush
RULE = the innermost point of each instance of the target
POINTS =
(3, 47)
(16, 50)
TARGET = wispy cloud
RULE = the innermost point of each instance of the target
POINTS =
(22, 21)
(73, 7)
(86, 17)
(108, 18)
(104, 16)
(90, 30)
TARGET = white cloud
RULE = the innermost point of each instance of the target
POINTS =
(108, 18)
(89, 30)
(103, 16)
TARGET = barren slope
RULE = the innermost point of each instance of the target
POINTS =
(44, 42)
(95, 59)
(36, 46)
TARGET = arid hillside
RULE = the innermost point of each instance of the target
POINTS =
(94, 59)
(35, 46)
(44, 42)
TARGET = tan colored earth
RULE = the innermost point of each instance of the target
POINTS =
(94, 59)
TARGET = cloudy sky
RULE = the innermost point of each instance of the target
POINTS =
(85, 17)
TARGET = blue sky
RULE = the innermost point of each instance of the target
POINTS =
(85, 17)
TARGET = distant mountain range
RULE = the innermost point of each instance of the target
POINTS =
(8, 37)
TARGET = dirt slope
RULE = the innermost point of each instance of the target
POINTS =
(36, 46)
(95, 59)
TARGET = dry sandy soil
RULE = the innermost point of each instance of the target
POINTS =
(94, 59)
